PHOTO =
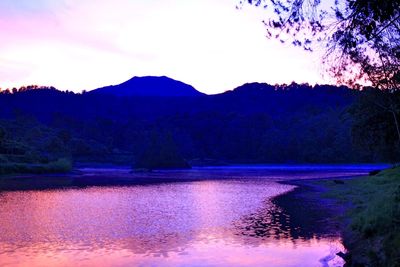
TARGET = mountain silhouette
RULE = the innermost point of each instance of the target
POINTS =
(253, 123)
(149, 86)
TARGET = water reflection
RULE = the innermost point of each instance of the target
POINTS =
(289, 218)
(203, 223)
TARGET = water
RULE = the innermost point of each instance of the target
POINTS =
(229, 219)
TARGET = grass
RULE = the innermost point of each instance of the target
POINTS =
(59, 166)
(372, 223)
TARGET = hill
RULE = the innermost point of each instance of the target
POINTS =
(254, 123)
(149, 86)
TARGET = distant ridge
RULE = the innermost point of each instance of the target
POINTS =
(149, 86)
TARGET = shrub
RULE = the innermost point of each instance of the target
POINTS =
(60, 165)
(3, 159)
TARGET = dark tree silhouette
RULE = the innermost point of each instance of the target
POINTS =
(161, 153)
(362, 37)
(255, 123)
(2, 136)
(373, 116)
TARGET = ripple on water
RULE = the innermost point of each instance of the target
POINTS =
(219, 223)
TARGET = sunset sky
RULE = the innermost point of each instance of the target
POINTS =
(84, 44)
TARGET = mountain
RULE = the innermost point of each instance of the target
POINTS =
(149, 86)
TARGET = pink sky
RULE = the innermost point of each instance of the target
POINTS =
(76, 45)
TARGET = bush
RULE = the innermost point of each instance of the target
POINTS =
(161, 153)
(60, 165)
(3, 159)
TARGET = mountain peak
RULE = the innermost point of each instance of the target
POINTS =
(150, 86)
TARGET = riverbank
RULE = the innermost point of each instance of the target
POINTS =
(365, 209)
(110, 175)
(79, 178)
(61, 165)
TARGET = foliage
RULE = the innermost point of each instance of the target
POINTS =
(255, 123)
(2, 136)
(362, 37)
(25, 89)
(59, 166)
(161, 153)
(3, 159)
(376, 122)
(373, 234)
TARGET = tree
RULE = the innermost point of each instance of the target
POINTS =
(373, 128)
(2, 136)
(161, 153)
(362, 39)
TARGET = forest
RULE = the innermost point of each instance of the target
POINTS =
(254, 123)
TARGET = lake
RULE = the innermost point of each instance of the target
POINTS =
(217, 216)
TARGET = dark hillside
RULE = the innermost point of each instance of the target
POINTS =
(149, 86)
(254, 123)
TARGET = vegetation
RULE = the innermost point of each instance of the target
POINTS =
(255, 123)
(58, 166)
(362, 37)
(161, 153)
(373, 221)
(375, 122)
(26, 146)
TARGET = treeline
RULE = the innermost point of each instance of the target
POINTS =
(21, 89)
(255, 123)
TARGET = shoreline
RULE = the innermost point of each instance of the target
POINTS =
(88, 175)
(26, 182)
(308, 198)
(364, 209)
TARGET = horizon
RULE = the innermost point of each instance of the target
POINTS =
(38, 86)
(79, 46)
